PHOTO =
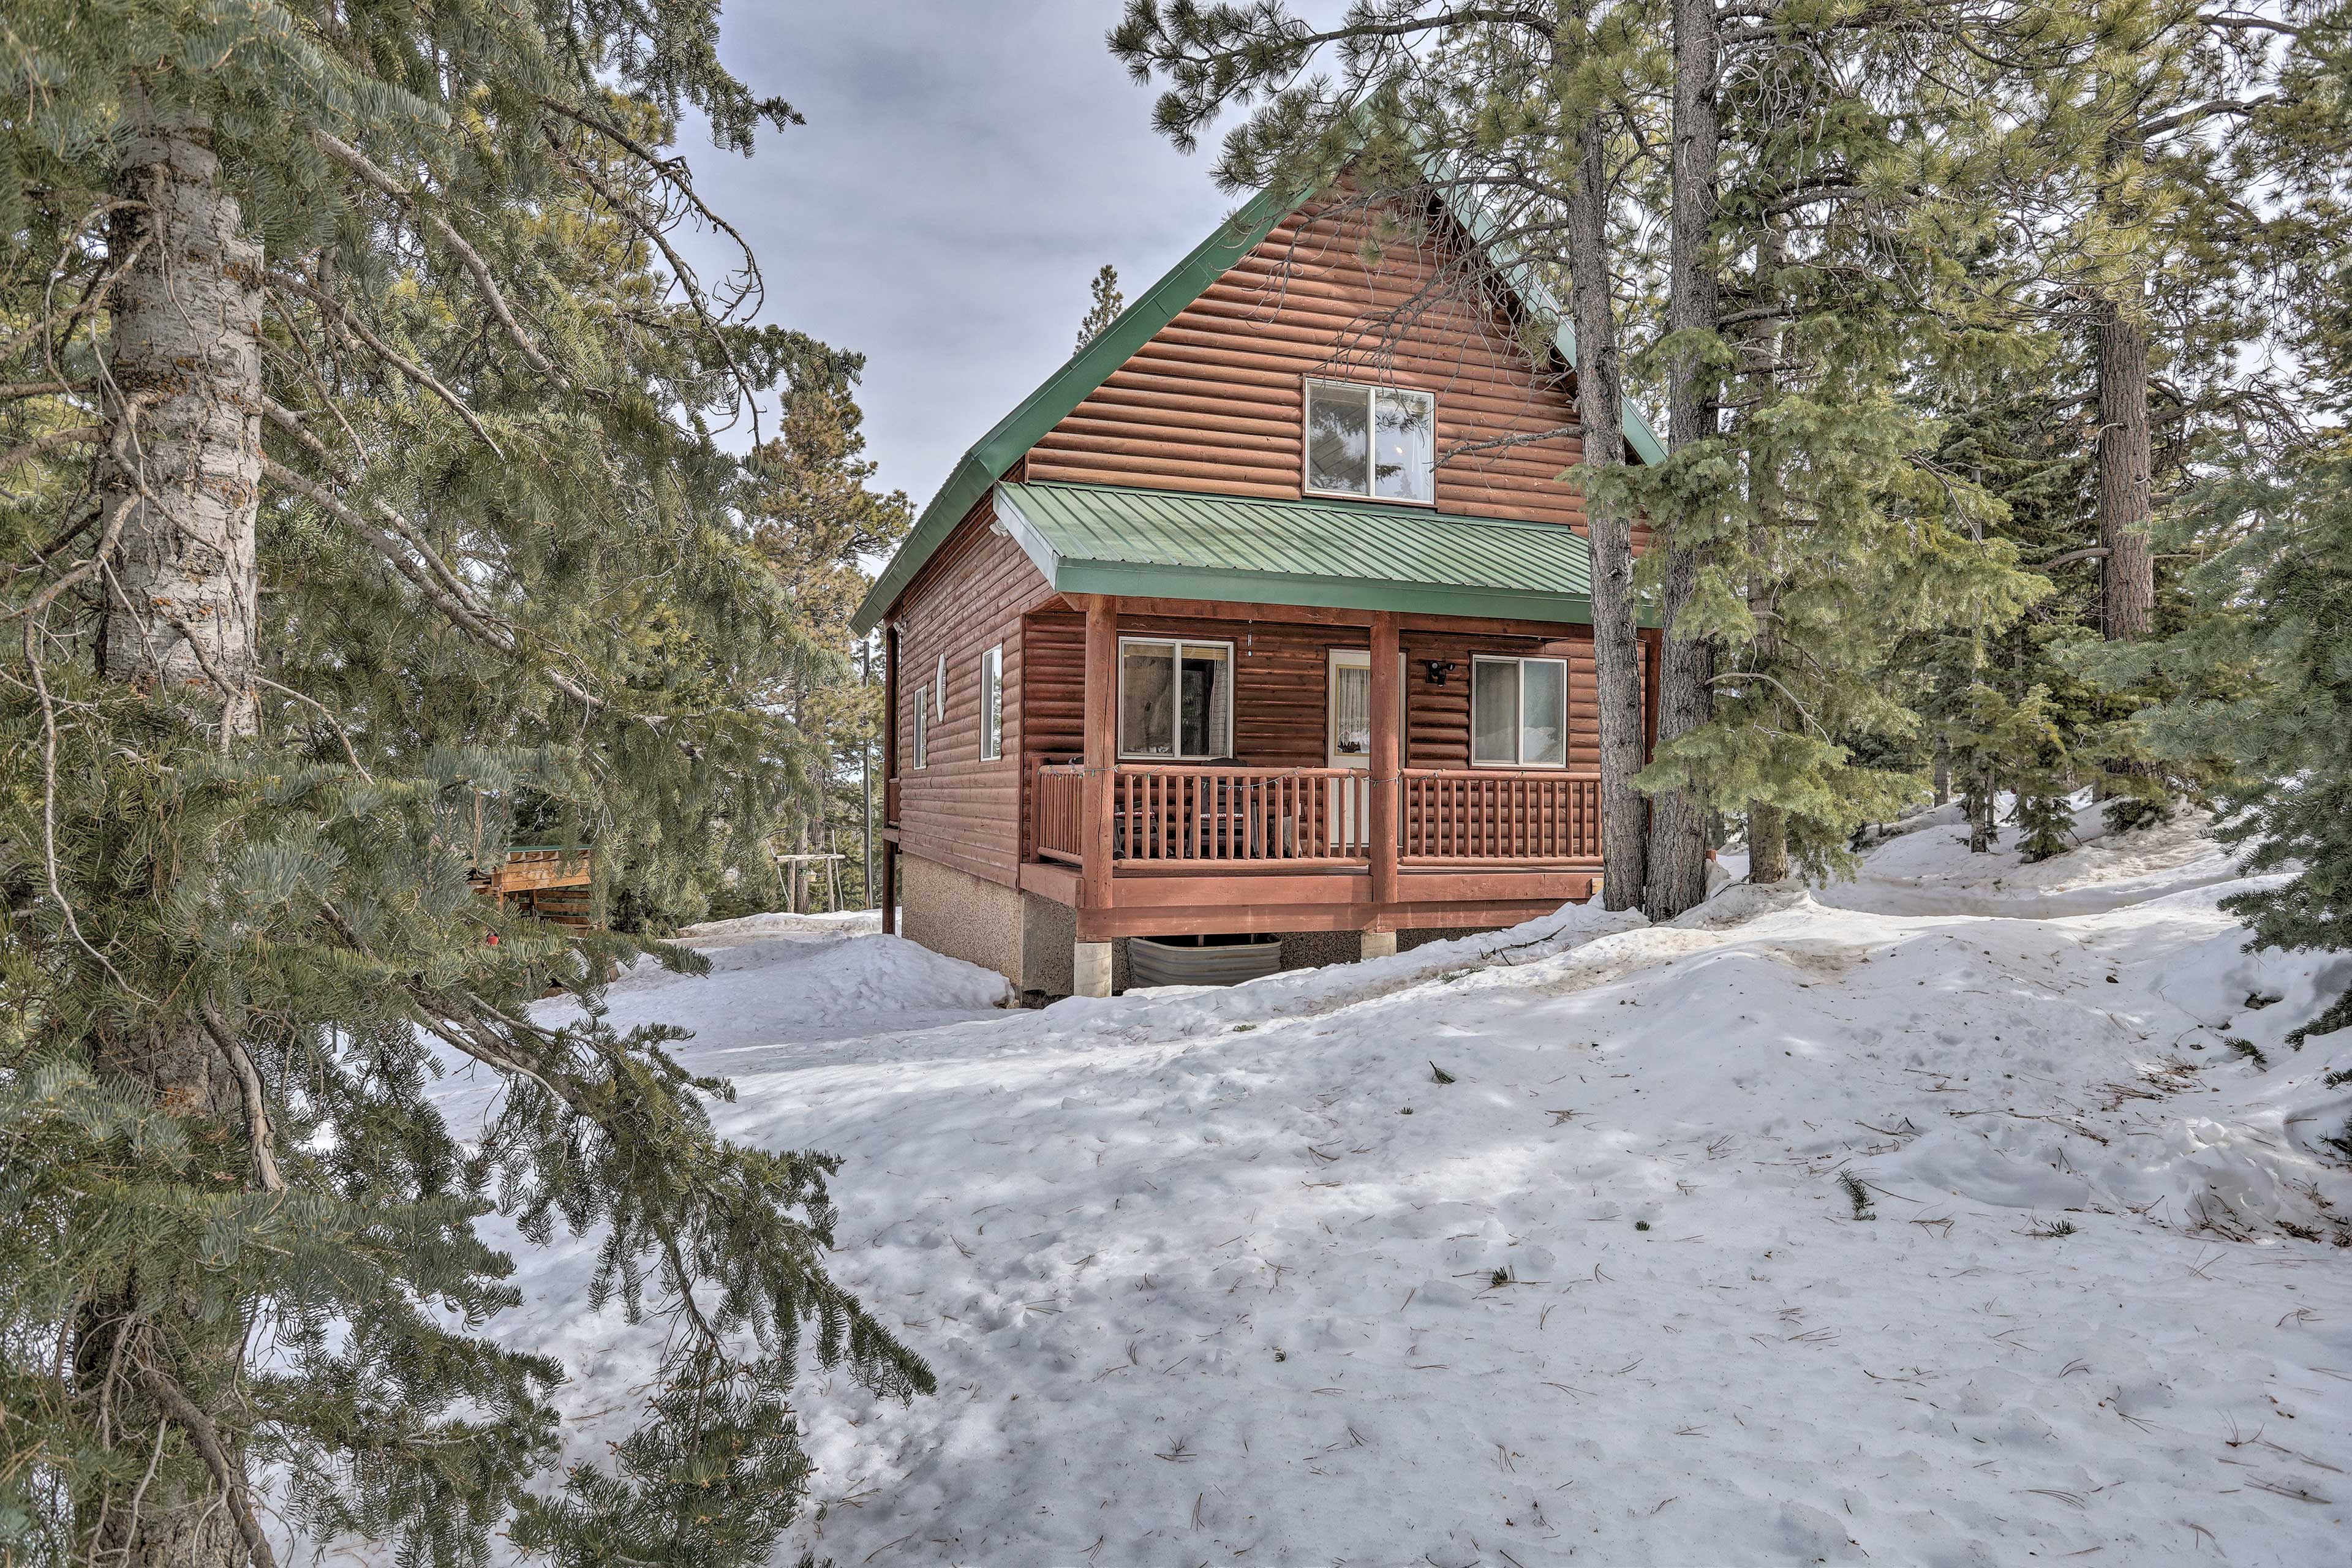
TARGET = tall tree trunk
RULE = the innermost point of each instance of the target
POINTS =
(1768, 844)
(186, 352)
(179, 623)
(1600, 402)
(1677, 849)
(2127, 601)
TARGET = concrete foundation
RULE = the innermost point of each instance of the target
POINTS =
(953, 912)
(1032, 940)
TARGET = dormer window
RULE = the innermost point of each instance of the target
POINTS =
(1376, 442)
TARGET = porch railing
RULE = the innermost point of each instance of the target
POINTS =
(1473, 815)
(1060, 802)
(1163, 814)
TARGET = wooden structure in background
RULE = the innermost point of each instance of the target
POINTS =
(548, 881)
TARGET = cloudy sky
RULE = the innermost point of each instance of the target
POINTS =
(966, 166)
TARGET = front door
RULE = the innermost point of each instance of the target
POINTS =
(1347, 741)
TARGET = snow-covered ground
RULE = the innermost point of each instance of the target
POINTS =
(1232, 1277)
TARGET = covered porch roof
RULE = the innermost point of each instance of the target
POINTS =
(1333, 555)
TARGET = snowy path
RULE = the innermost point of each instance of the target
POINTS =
(1229, 1277)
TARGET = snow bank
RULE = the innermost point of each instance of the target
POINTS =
(1926, 868)
(1533, 1249)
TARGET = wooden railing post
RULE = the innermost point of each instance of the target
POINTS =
(1101, 748)
(1387, 785)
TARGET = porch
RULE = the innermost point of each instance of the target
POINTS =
(1365, 844)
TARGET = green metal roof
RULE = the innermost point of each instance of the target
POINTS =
(1136, 325)
(1352, 555)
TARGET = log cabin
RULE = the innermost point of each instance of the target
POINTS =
(1268, 614)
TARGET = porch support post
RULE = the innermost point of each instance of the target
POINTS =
(1090, 963)
(1388, 785)
(1101, 752)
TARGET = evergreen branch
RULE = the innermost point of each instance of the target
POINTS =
(79, 434)
(685, 275)
(1769, 680)
(207, 1440)
(2197, 113)
(472, 258)
(92, 298)
(83, 515)
(229, 690)
(12, 391)
(2095, 552)
(349, 319)
(340, 733)
(257, 1108)
(118, 448)
(454, 606)
(681, 179)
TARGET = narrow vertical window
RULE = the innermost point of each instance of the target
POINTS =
(1518, 712)
(991, 703)
(922, 726)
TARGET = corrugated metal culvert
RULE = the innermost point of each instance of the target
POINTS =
(1201, 960)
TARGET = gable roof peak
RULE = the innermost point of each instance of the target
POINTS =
(1092, 365)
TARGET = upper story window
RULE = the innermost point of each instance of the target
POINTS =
(1376, 442)
(922, 727)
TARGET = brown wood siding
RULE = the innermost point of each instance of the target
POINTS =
(1280, 686)
(1213, 403)
(960, 810)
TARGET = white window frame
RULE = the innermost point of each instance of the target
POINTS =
(1331, 668)
(940, 688)
(992, 704)
(1176, 644)
(1371, 391)
(1519, 710)
(922, 736)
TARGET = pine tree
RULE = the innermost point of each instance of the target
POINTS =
(1106, 304)
(366, 502)
(814, 518)
(2256, 678)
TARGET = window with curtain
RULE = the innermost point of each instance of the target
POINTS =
(1518, 712)
(1376, 442)
(991, 703)
(1175, 700)
(922, 726)
(1351, 710)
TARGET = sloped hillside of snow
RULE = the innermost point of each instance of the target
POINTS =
(1539, 1247)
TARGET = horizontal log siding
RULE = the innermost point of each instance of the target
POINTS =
(1280, 678)
(969, 596)
(1213, 402)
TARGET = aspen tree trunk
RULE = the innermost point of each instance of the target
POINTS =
(1616, 653)
(2127, 491)
(179, 624)
(1677, 849)
(185, 351)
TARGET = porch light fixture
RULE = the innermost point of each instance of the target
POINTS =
(1435, 668)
